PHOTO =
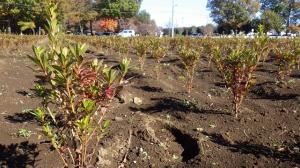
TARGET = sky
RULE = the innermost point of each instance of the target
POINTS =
(187, 12)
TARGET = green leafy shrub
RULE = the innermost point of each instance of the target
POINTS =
(158, 53)
(80, 92)
(238, 65)
(189, 58)
(141, 48)
(288, 59)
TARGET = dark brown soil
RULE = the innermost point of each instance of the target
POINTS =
(170, 128)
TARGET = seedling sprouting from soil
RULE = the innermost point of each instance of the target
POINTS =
(24, 133)
(124, 67)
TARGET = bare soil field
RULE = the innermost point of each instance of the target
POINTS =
(168, 128)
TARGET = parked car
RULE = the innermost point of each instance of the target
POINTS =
(196, 35)
(108, 34)
(99, 33)
(88, 32)
(251, 35)
(127, 33)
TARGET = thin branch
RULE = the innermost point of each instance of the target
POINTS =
(122, 165)
(70, 153)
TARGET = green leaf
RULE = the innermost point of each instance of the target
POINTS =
(47, 130)
(106, 124)
(124, 65)
(110, 75)
(83, 123)
(24, 133)
(39, 114)
(88, 105)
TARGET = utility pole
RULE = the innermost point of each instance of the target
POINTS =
(173, 8)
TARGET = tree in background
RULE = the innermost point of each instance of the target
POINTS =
(80, 12)
(142, 23)
(233, 14)
(149, 28)
(15, 11)
(193, 30)
(179, 30)
(121, 10)
(289, 10)
(90, 16)
(70, 12)
(109, 25)
(271, 20)
(208, 29)
(18, 11)
(27, 25)
(143, 16)
(294, 29)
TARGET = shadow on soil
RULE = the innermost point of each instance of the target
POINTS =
(175, 105)
(266, 70)
(189, 144)
(268, 90)
(151, 89)
(134, 75)
(220, 84)
(296, 75)
(168, 104)
(170, 61)
(256, 149)
(40, 79)
(20, 118)
(23, 93)
(205, 71)
(18, 155)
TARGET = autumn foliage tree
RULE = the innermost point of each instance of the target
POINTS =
(109, 25)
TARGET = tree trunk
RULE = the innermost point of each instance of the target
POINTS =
(291, 3)
(91, 27)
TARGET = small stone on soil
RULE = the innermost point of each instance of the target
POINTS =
(212, 126)
(118, 119)
(125, 97)
(137, 101)
(200, 129)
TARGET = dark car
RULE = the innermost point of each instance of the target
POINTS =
(88, 32)
(104, 34)
(99, 33)
(195, 35)
(108, 34)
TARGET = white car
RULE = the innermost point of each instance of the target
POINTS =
(127, 33)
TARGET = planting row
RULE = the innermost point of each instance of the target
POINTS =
(236, 58)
